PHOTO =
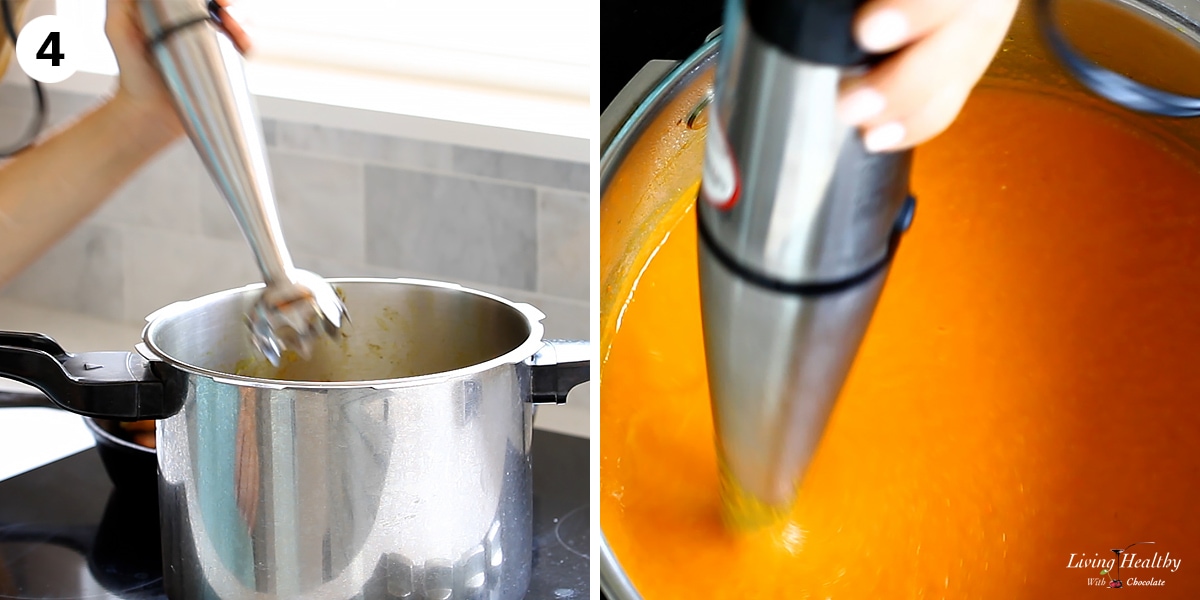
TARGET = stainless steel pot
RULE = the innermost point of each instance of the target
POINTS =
(653, 134)
(653, 151)
(395, 464)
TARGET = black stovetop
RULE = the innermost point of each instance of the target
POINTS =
(66, 534)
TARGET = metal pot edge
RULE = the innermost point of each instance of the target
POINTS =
(521, 353)
(653, 85)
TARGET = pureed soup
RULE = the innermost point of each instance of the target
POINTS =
(1026, 400)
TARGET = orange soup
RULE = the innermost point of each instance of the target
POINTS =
(1027, 398)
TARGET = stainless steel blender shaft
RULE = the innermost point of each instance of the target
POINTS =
(204, 73)
(797, 225)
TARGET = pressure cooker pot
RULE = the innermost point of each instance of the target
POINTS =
(392, 464)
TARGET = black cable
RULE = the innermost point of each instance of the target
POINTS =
(39, 120)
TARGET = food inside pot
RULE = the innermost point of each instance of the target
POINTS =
(1025, 395)
(398, 331)
(341, 358)
(138, 432)
(292, 367)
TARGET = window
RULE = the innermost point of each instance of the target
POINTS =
(532, 46)
(520, 64)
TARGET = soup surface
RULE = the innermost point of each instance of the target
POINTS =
(1026, 400)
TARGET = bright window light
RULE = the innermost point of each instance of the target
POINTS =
(87, 17)
(522, 66)
(538, 47)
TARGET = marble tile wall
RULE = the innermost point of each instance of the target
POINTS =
(351, 204)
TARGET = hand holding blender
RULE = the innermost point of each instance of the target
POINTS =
(203, 72)
(802, 205)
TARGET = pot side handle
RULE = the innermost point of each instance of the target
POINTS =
(557, 368)
(109, 385)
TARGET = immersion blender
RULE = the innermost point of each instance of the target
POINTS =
(797, 223)
(203, 71)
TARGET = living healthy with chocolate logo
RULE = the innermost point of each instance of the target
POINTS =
(1141, 569)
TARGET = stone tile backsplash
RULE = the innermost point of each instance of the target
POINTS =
(469, 229)
(162, 267)
(321, 205)
(562, 219)
(359, 146)
(351, 204)
(169, 193)
(524, 169)
(83, 273)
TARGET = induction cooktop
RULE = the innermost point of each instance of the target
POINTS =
(66, 534)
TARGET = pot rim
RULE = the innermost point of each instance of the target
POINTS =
(629, 131)
(614, 581)
(520, 353)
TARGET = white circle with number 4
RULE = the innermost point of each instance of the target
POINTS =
(45, 49)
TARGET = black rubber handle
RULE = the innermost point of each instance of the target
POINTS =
(109, 385)
(819, 31)
(557, 368)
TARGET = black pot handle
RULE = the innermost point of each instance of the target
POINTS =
(557, 368)
(109, 385)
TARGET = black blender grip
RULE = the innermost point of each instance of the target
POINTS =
(109, 385)
(819, 31)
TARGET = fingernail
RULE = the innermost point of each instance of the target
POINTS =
(860, 105)
(883, 30)
(884, 138)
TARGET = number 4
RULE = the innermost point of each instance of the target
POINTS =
(51, 42)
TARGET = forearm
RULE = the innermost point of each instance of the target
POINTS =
(48, 189)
